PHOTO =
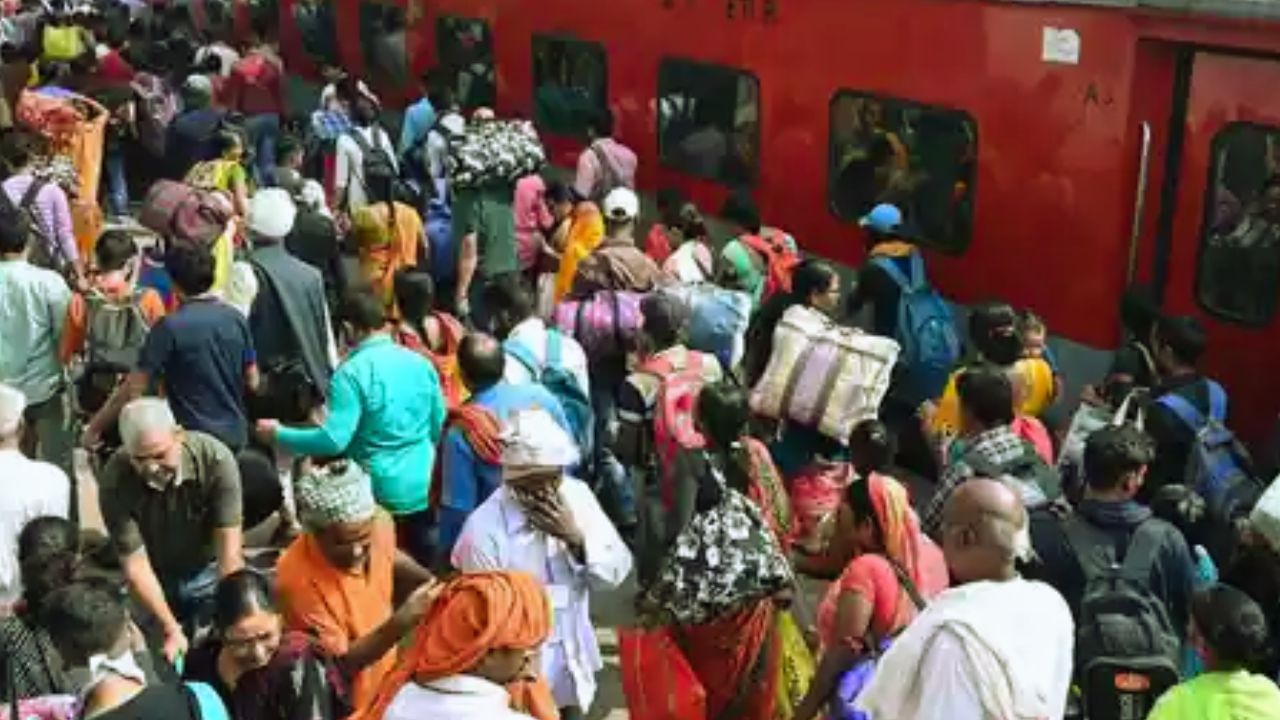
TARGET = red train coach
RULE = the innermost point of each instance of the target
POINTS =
(1046, 153)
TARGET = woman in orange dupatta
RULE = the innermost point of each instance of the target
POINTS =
(579, 230)
(389, 237)
(869, 601)
(482, 634)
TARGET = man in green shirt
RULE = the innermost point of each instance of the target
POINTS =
(484, 229)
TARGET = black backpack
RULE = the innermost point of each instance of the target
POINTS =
(377, 168)
(1127, 649)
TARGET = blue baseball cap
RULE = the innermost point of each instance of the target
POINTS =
(883, 218)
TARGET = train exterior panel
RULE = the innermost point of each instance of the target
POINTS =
(1050, 153)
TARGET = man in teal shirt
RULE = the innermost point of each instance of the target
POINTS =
(386, 411)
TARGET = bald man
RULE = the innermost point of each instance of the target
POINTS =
(470, 468)
(995, 646)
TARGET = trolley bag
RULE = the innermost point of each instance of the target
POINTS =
(656, 677)
(822, 375)
(605, 324)
(178, 211)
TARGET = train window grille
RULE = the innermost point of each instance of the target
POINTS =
(919, 157)
(1238, 273)
(317, 28)
(709, 121)
(570, 84)
(465, 53)
(384, 43)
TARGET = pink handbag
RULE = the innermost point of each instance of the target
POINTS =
(605, 324)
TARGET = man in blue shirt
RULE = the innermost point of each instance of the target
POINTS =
(469, 476)
(386, 412)
(419, 118)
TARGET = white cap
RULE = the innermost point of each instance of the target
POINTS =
(271, 213)
(621, 204)
(12, 404)
(532, 438)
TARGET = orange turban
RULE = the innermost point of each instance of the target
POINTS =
(474, 614)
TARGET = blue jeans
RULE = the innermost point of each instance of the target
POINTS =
(190, 598)
(610, 480)
(117, 185)
(264, 133)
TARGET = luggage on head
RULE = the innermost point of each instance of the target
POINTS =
(1127, 649)
(178, 211)
(926, 330)
(822, 375)
(605, 324)
(1219, 468)
(718, 320)
(494, 152)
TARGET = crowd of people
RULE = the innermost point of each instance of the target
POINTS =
(460, 392)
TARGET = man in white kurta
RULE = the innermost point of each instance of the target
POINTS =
(550, 525)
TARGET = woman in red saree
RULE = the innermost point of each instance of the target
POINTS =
(726, 572)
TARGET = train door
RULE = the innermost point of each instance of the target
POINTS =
(1224, 250)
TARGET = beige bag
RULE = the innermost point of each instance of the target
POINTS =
(822, 375)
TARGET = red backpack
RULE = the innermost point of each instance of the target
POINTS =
(679, 382)
(779, 259)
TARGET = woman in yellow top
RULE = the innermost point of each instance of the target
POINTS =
(993, 332)
(224, 174)
(389, 238)
(579, 230)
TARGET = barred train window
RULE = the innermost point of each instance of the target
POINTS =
(919, 157)
(465, 53)
(1238, 275)
(315, 22)
(383, 38)
(709, 121)
(570, 84)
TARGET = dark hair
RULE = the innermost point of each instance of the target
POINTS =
(858, 495)
(559, 191)
(741, 210)
(442, 97)
(415, 296)
(722, 414)
(238, 595)
(811, 276)
(84, 618)
(1183, 508)
(670, 202)
(364, 111)
(15, 233)
(191, 266)
(481, 361)
(1113, 452)
(601, 123)
(993, 330)
(871, 447)
(986, 393)
(1029, 322)
(227, 139)
(664, 319)
(1233, 626)
(288, 145)
(1139, 310)
(364, 311)
(1184, 335)
(114, 250)
(48, 559)
(508, 297)
(17, 147)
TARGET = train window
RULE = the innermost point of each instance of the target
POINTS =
(265, 15)
(1238, 276)
(218, 16)
(315, 22)
(709, 121)
(570, 78)
(919, 157)
(383, 34)
(465, 53)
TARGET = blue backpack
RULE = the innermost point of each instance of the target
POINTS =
(926, 330)
(439, 230)
(1218, 467)
(208, 702)
(563, 385)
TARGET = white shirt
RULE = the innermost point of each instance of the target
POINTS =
(498, 536)
(459, 697)
(532, 333)
(330, 102)
(31, 489)
(981, 651)
(227, 57)
(349, 165)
